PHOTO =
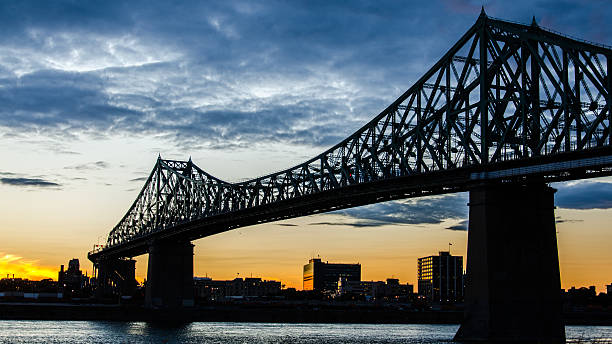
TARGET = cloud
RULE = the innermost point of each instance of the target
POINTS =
(559, 219)
(461, 226)
(29, 182)
(97, 165)
(229, 74)
(434, 210)
(355, 224)
(428, 210)
(139, 179)
(584, 195)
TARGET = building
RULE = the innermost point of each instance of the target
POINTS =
(440, 278)
(71, 282)
(324, 277)
(18, 289)
(582, 292)
(392, 290)
(210, 290)
(609, 289)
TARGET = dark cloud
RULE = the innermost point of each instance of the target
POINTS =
(431, 210)
(355, 224)
(584, 195)
(28, 182)
(434, 210)
(60, 101)
(559, 219)
(233, 73)
(139, 179)
(461, 226)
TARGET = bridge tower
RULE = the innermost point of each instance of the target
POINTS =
(513, 282)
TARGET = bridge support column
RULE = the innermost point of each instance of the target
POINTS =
(513, 282)
(170, 275)
(115, 277)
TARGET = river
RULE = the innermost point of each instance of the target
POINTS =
(20, 331)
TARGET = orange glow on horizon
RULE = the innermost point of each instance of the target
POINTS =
(20, 267)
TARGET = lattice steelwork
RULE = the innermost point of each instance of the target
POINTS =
(503, 92)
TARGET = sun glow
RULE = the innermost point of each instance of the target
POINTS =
(20, 267)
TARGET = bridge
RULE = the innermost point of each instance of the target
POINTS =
(507, 110)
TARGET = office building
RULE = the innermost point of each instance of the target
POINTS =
(609, 289)
(440, 278)
(324, 277)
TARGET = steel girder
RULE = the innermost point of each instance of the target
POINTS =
(505, 92)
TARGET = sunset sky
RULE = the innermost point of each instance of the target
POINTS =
(91, 93)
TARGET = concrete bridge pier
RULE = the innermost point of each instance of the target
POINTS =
(513, 282)
(115, 277)
(170, 275)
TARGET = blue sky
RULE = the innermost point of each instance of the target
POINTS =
(92, 92)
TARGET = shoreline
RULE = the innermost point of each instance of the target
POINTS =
(256, 313)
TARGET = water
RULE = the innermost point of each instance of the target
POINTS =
(17, 331)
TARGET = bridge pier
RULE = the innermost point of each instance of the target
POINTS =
(170, 275)
(513, 281)
(115, 277)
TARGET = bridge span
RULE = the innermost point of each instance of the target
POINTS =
(507, 110)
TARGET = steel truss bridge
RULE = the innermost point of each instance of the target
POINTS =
(508, 109)
(507, 102)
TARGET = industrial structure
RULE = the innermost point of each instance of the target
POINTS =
(506, 110)
(72, 281)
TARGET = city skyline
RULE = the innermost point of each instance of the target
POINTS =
(93, 96)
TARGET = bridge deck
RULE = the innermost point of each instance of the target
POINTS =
(575, 165)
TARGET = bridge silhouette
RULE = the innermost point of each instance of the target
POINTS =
(507, 110)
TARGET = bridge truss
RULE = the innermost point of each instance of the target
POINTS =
(506, 101)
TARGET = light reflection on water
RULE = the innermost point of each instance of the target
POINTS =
(17, 331)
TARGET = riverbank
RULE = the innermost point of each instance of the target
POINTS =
(262, 313)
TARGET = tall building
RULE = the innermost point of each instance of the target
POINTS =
(609, 289)
(440, 278)
(324, 277)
